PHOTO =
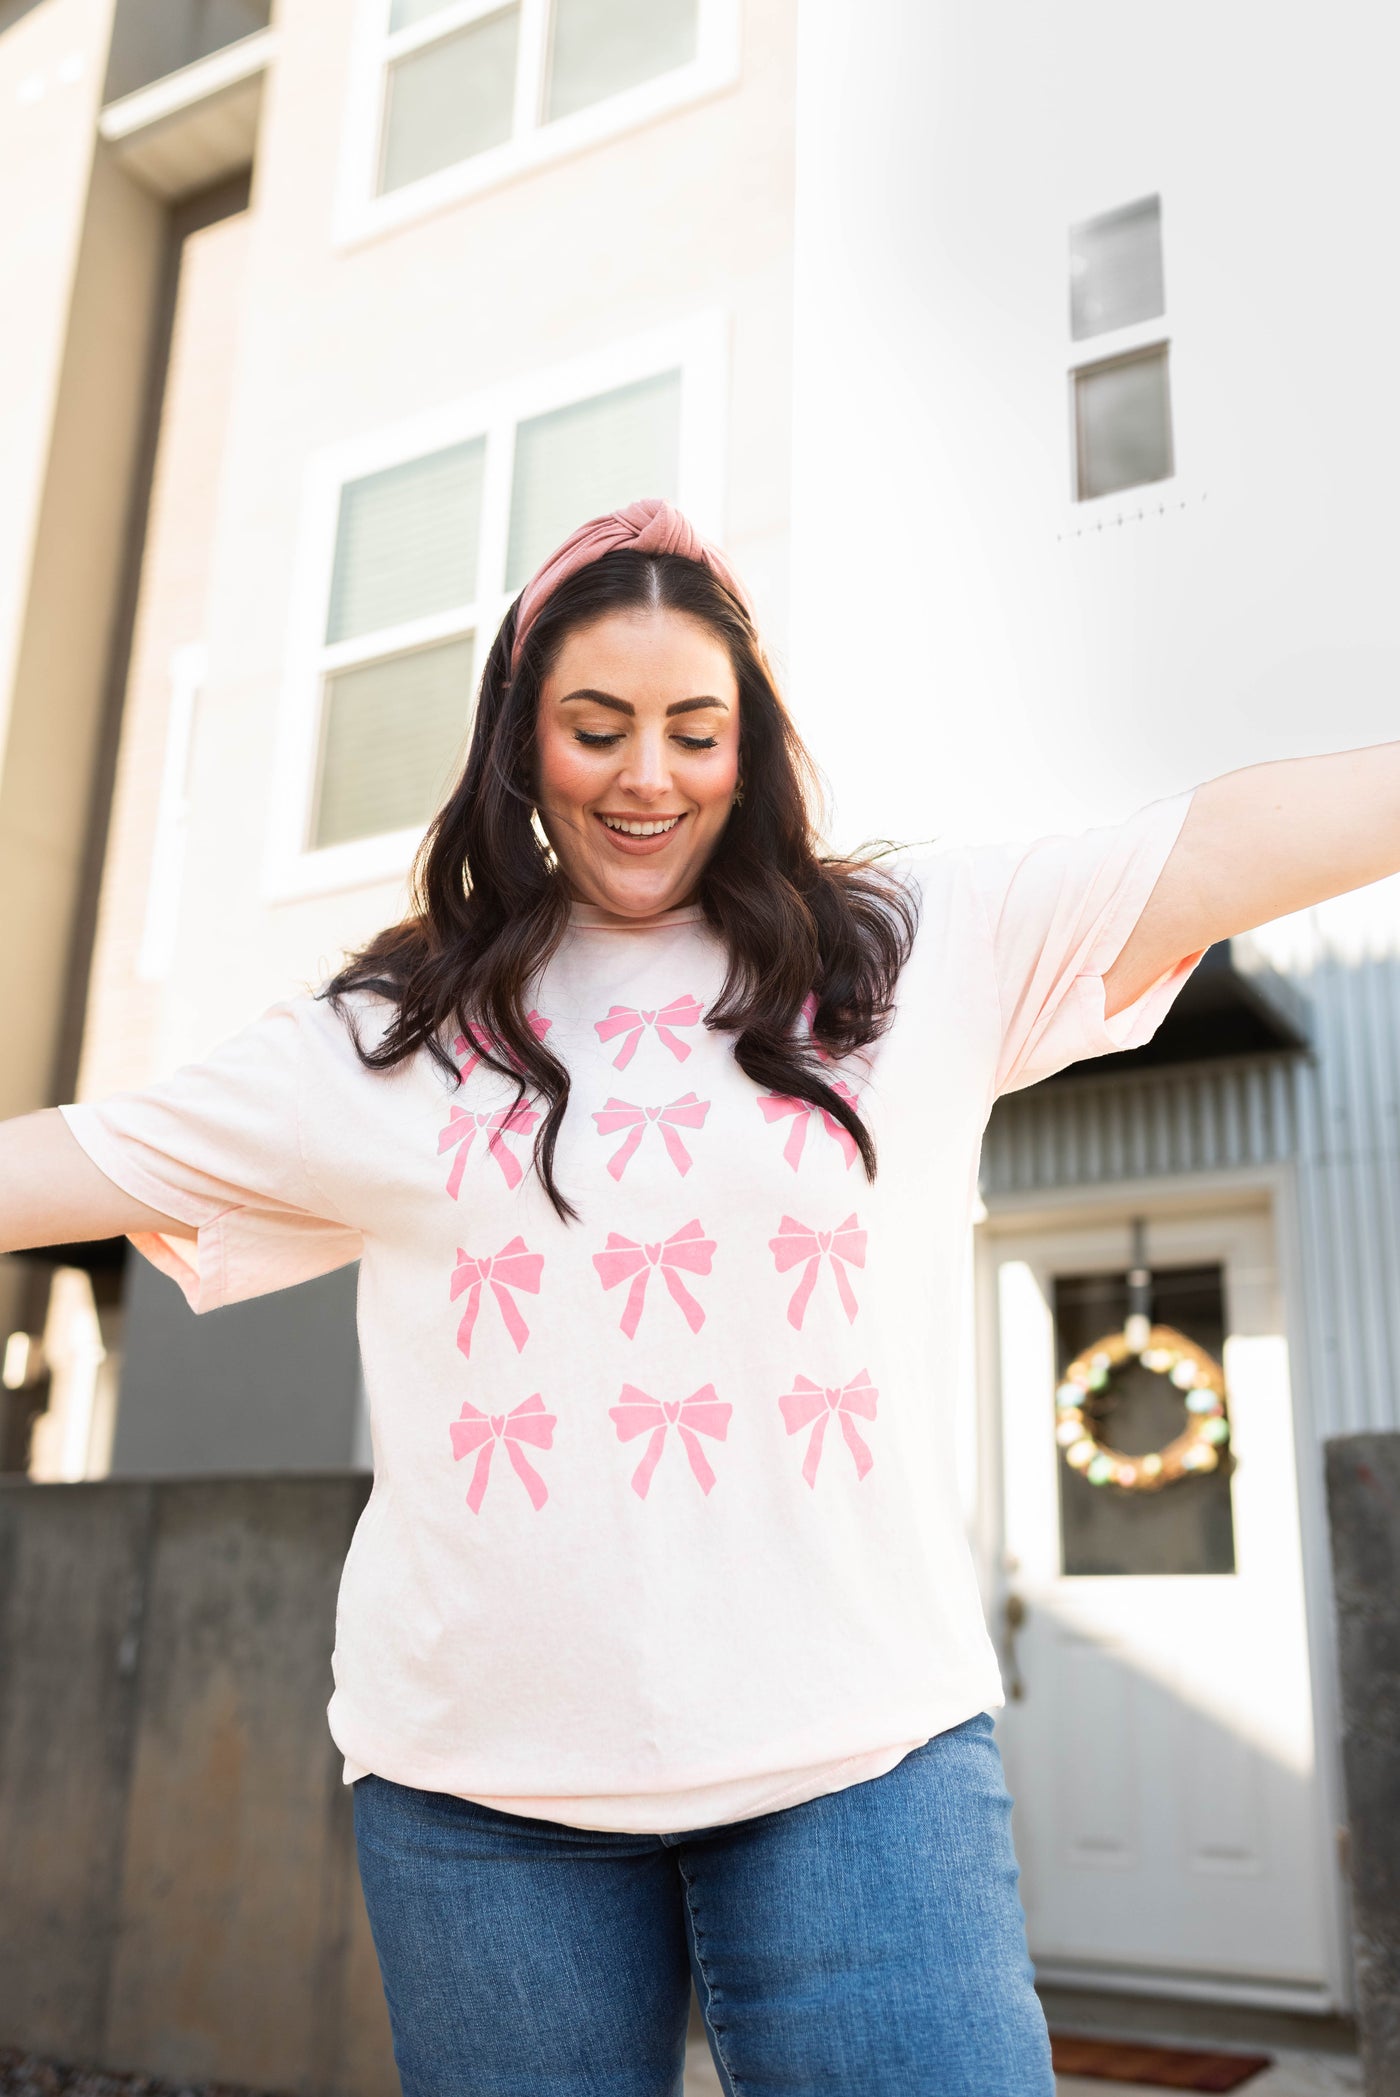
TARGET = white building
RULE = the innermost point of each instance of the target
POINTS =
(1030, 367)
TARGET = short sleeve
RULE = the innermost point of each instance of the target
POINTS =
(1059, 912)
(218, 1145)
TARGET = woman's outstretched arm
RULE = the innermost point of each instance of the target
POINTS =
(51, 1193)
(1259, 843)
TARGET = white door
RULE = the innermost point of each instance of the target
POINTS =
(1160, 1752)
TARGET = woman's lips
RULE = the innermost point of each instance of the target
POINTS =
(640, 847)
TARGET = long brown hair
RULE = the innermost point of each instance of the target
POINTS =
(490, 905)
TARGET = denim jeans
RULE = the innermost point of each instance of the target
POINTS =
(871, 1941)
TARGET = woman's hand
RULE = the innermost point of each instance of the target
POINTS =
(1259, 843)
(51, 1193)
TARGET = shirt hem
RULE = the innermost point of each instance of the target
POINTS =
(790, 1778)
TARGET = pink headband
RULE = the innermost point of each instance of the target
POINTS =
(651, 526)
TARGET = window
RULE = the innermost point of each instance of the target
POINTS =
(1115, 269)
(1121, 399)
(416, 593)
(464, 78)
(1187, 1527)
(1122, 415)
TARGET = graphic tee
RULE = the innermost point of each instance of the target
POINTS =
(665, 1529)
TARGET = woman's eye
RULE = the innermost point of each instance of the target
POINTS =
(595, 739)
(697, 742)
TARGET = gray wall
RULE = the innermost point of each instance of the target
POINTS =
(271, 1385)
(178, 1890)
(1363, 1497)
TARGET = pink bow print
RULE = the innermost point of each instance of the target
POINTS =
(539, 1026)
(513, 1267)
(776, 1105)
(700, 1413)
(631, 1023)
(528, 1422)
(624, 1260)
(687, 1112)
(461, 1133)
(808, 1405)
(795, 1243)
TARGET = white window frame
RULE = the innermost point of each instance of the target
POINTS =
(361, 214)
(1181, 489)
(698, 347)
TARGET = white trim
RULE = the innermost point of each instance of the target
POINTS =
(360, 214)
(1184, 1986)
(188, 668)
(698, 347)
(383, 641)
(1273, 1187)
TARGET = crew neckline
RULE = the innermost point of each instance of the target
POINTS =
(591, 917)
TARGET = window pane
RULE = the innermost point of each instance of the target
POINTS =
(592, 456)
(404, 13)
(1115, 269)
(406, 543)
(1186, 1527)
(392, 734)
(1123, 424)
(449, 100)
(600, 47)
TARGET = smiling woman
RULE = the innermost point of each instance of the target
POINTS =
(631, 755)
(634, 787)
(663, 1599)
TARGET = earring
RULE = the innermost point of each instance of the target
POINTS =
(738, 795)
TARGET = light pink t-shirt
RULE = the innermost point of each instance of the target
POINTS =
(665, 1529)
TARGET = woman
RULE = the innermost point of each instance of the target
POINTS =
(659, 1651)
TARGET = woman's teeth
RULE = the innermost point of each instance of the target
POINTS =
(641, 829)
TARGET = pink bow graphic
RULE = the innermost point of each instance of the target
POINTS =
(700, 1413)
(628, 1021)
(796, 1243)
(510, 1268)
(687, 1112)
(461, 1132)
(528, 1422)
(807, 1403)
(624, 1260)
(776, 1105)
(461, 1047)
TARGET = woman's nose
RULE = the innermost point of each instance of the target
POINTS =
(646, 770)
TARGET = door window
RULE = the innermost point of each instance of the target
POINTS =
(1185, 1527)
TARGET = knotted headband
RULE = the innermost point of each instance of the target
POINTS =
(651, 526)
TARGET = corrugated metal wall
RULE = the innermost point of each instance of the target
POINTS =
(1335, 1115)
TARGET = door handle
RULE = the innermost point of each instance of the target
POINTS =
(1013, 1616)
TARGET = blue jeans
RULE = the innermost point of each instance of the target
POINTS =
(871, 1941)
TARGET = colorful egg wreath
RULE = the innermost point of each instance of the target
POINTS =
(1167, 1353)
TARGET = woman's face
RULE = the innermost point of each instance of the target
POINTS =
(638, 747)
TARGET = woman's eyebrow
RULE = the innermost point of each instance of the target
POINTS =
(625, 706)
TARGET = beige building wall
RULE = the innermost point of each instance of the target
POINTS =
(79, 260)
(689, 212)
(128, 987)
(51, 64)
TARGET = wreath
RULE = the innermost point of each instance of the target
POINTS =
(1166, 1353)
